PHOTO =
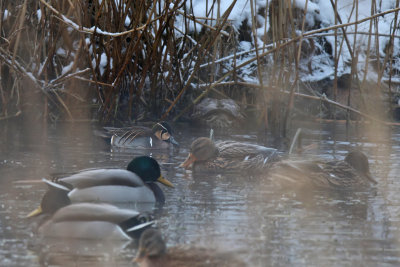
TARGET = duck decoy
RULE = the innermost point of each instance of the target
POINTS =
(153, 252)
(228, 156)
(135, 184)
(353, 171)
(61, 219)
(219, 114)
(140, 137)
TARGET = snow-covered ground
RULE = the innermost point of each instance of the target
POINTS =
(320, 13)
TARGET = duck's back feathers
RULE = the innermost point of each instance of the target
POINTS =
(93, 212)
(98, 177)
(94, 221)
(232, 165)
(129, 133)
(99, 230)
(238, 157)
(232, 149)
(112, 194)
(336, 173)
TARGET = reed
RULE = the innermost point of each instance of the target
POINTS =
(119, 61)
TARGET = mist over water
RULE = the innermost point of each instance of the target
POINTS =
(249, 216)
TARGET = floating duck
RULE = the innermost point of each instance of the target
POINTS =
(228, 156)
(61, 219)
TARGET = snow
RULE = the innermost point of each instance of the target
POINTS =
(311, 7)
(240, 11)
(67, 68)
(127, 21)
(317, 10)
(245, 46)
(103, 63)
(6, 14)
(39, 14)
(61, 52)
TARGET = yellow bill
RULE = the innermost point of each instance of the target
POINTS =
(35, 212)
(164, 181)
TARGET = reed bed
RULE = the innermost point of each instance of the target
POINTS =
(125, 61)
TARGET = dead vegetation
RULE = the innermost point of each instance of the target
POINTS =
(129, 60)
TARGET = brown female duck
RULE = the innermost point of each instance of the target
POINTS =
(228, 156)
(353, 171)
(154, 253)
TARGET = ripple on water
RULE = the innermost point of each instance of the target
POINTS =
(259, 222)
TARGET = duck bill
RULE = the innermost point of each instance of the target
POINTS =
(188, 161)
(173, 141)
(370, 178)
(35, 212)
(164, 181)
(139, 257)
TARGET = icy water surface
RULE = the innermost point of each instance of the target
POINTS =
(246, 215)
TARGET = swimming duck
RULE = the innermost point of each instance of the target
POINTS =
(218, 114)
(135, 184)
(60, 218)
(140, 137)
(154, 253)
(350, 172)
(228, 156)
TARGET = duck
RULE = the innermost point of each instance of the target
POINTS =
(228, 156)
(153, 252)
(59, 218)
(140, 137)
(218, 114)
(136, 184)
(353, 171)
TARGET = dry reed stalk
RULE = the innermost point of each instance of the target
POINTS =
(206, 44)
(139, 58)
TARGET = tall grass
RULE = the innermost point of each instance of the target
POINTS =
(128, 60)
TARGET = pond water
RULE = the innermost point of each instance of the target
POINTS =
(248, 216)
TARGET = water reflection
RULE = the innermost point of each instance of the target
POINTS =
(261, 223)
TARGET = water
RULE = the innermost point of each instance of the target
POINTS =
(248, 216)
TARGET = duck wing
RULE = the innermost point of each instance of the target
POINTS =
(98, 177)
(319, 173)
(342, 174)
(300, 172)
(128, 134)
(232, 149)
(94, 212)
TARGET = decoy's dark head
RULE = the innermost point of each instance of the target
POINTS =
(148, 170)
(359, 161)
(163, 131)
(53, 200)
(151, 244)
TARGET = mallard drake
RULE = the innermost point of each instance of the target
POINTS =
(140, 137)
(60, 218)
(228, 156)
(135, 184)
(154, 253)
(350, 172)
